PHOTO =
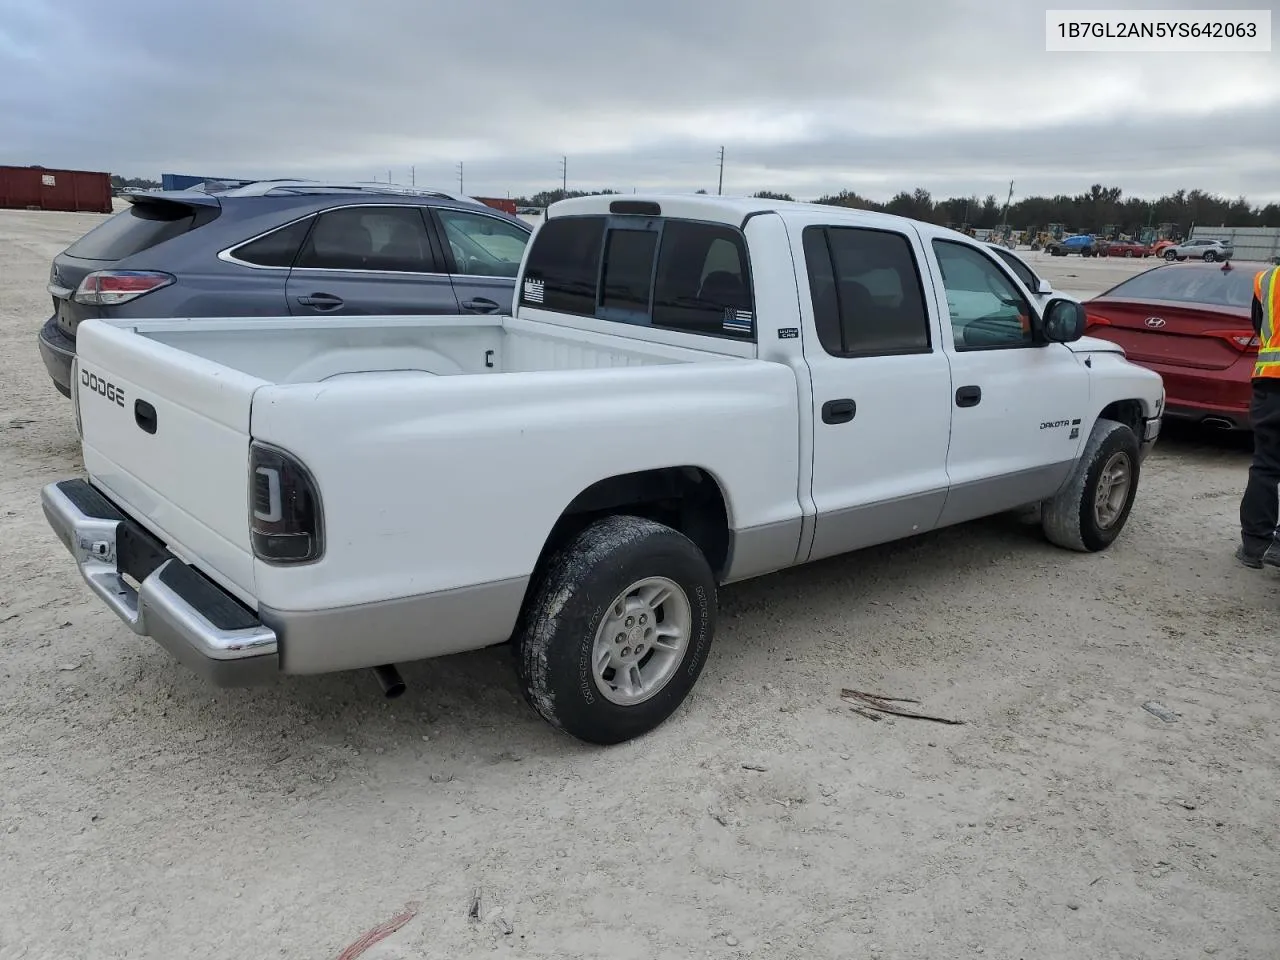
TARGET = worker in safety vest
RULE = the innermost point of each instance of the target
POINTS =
(1260, 506)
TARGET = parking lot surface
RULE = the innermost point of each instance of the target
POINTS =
(143, 814)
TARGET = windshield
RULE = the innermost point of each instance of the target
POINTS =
(1232, 288)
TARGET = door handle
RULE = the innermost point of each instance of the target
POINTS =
(968, 396)
(838, 411)
(321, 301)
(480, 305)
(144, 415)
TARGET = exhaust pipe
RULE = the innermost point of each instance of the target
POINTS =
(1218, 423)
(389, 679)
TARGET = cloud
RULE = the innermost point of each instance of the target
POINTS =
(812, 96)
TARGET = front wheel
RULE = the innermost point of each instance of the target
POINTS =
(1091, 509)
(1129, 254)
(617, 630)
(1170, 256)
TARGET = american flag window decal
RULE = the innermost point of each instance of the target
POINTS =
(534, 291)
(737, 321)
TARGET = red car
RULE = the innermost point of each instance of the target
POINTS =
(1126, 248)
(1191, 324)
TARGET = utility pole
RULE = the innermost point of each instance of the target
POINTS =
(388, 176)
(1009, 199)
(460, 190)
(720, 185)
(564, 175)
(413, 176)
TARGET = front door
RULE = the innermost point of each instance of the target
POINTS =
(1018, 402)
(374, 259)
(881, 387)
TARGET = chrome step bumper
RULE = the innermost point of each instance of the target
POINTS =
(198, 622)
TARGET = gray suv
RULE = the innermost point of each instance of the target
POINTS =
(283, 247)
(1207, 250)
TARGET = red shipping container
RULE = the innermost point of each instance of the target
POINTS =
(506, 206)
(80, 191)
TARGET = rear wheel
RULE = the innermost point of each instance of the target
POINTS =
(617, 630)
(1090, 511)
(1129, 254)
(1210, 256)
(1170, 255)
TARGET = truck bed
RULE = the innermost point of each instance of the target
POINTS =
(306, 350)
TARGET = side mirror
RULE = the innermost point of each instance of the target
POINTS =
(1064, 321)
(1043, 287)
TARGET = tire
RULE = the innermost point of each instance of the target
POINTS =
(1210, 256)
(1169, 255)
(1072, 519)
(575, 597)
(1128, 254)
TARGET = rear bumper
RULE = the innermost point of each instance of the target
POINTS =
(196, 621)
(57, 350)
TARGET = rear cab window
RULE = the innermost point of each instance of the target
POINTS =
(138, 228)
(687, 276)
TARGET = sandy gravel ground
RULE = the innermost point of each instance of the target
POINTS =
(145, 815)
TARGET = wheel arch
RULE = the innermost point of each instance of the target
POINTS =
(1130, 412)
(687, 498)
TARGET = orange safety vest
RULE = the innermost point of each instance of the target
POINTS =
(1266, 287)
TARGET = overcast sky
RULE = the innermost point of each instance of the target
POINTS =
(807, 96)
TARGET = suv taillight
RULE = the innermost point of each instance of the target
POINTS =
(107, 288)
(286, 522)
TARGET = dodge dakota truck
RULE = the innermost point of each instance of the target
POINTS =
(691, 391)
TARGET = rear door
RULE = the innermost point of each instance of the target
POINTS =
(166, 435)
(370, 259)
(881, 386)
(482, 254)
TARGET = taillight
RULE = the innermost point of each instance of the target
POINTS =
(107, 288)
(1095, 320)
(286, 522)
(1242, 340)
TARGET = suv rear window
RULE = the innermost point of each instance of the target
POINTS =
(682, 275)
(140, 227)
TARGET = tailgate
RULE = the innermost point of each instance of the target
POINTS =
(166, 436)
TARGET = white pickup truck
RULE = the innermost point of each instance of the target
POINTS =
(692, 391)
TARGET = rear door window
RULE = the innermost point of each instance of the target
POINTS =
(383, 238)
(140, 227)
(483, 246)
(867, 295)
(278, 248)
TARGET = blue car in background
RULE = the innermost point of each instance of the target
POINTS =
(281, 247)
(1082, 244)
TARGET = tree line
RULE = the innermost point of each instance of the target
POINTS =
(1093, 211)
